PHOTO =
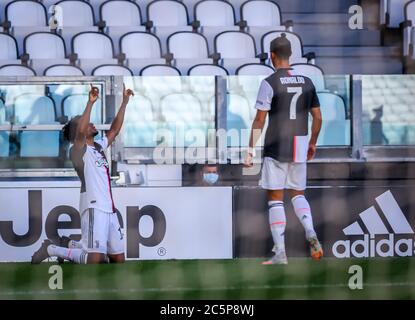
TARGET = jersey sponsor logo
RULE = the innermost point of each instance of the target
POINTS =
(292, 80)
(101, 162)
(378, 241)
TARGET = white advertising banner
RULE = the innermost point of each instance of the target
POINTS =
(157, 223)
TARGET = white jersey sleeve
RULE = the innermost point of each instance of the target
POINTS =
(103, 142)
(265, 95)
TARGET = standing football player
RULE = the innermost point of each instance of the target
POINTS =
(287, 99)
(102, 239)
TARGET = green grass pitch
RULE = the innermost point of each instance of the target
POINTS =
(213, 279)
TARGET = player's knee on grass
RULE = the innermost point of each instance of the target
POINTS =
(95, 258)
(116, 258)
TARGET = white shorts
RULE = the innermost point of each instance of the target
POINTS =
(101, 232)
(283, 175)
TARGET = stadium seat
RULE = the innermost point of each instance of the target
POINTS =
(8, 50)
(141, 49)
(183, 111)
(254, 69)
(297, 55)
(4, 135)
(392, 13)
(96, 5)
(336, 128)
(111, 70)
(235, 48)
(214, 17)
(188, 48)
(34, 109)
(311, 71)
(207, 70)
(93, 49)
(140, 123)
(166, 17)
(63, 70)
(261, 16)
(120, 17)
(16, 70)
(409, 30)
(74, 104)
(159, 71)
(77, 16)
(40, 58)
(24, 17)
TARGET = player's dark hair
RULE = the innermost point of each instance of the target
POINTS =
(281, 47)
(69, 129)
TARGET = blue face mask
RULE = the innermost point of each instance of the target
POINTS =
(210, 178)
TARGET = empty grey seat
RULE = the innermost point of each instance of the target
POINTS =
(45, 49)
(141, 49)
(63, 70)
(120, 17)
(408, 30)
(96, 4)
(207, 70)
(188, 49)
(36, 109)
(215, 16)
(261, 16)
(236, 48)
(254, 69)
(111, 70)
(313, 72)
(77, 16)
(167, 17)
(16, 70)
(159, 70)
(392, 13)
(25, 16)
(8, 50)
(93, 49)
(297, 55)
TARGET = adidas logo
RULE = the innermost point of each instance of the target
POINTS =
(370, 244)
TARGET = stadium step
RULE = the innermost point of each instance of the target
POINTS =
(327, 6)
(359, 65)
(322, 18)
(336, 35)
(361, 51)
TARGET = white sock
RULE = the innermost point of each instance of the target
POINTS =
(277, 222)
(75, 255)
(303, 213)
(74, 244)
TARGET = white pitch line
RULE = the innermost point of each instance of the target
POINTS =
(178, 289)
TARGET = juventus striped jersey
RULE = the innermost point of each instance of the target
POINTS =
(288, 98)
(92, 168)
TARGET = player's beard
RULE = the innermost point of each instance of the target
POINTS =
(95, 134)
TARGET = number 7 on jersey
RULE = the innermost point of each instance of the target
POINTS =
(293, 105)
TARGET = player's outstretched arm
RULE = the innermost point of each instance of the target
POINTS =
(119, 119)
(256, 131)
(82, 127)
(315, 131)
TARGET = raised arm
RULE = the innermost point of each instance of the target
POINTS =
(83, 123)
(119, 119)
(315, 131)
